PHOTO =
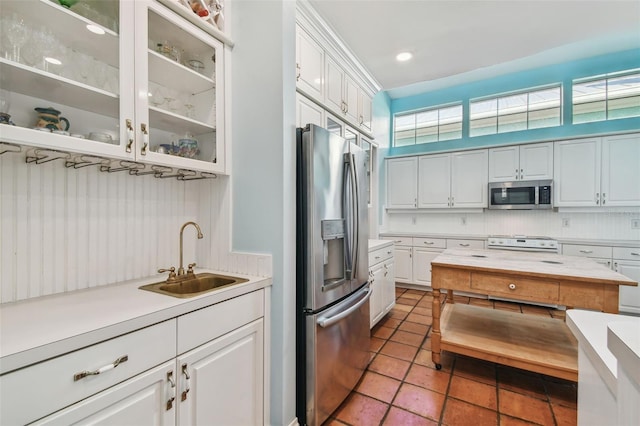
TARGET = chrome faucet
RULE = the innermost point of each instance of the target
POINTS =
(191, 265)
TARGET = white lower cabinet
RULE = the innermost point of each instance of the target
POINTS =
(221, 382)
(203, 367)
(422, 265)
(141, 400)
(382, 283)
(413, 256)
(625, 260)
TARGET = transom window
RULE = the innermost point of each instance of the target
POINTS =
(517, 111)
(426, 126)
(606, 97)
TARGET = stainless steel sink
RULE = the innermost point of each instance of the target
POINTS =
(193, 286)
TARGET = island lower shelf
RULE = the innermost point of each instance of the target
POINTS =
(533, 343)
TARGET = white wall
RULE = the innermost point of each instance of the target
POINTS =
(582, 225)
(263, 180)
(63, 229)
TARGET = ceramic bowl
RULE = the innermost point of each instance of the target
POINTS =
(188, 148)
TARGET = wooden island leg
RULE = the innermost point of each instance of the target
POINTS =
(435, 329)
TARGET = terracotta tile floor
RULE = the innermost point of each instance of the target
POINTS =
(402, 387)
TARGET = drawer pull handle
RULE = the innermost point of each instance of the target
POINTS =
(101, 370)
(377, 257)
(428, 243)
(397, 241)
(512, 286)
(586, 251)
(464, 245)
(635, 254)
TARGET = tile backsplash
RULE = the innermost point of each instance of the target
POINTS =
(65, 229)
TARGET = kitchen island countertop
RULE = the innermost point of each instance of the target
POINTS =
(531, 264)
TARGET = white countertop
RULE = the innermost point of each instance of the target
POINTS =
(623, 340)
(376, 244)
(590, 328)
(37, 329)
(617, 243)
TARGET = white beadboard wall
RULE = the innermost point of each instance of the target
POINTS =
(582, 225)
(69, 229)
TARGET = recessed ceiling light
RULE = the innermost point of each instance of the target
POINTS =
(404, 56)
(95, 29)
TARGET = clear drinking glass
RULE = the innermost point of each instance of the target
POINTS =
(17, 34)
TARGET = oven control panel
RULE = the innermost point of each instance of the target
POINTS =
(517, 242)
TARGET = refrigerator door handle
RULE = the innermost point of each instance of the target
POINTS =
(350, 206)
(355, 211)
(324, 322)
(348, 215)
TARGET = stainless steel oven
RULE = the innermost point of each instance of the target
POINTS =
(521, 195)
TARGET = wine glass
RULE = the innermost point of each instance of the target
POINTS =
(156, 94)
(17, 34)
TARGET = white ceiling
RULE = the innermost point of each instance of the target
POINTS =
(456, 41)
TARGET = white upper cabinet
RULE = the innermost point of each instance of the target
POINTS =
(350, 97)
(577, 173)
(620, 182)
(453, 180)
(402, 180)
(469, 179)
(308, 112)
(335, 78)
(152, 80)
(365, 110)
(309, 65)
(597, 172)
(345, 97)
(521, 162)
(434, 181)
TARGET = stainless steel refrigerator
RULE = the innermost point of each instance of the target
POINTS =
(332, 298)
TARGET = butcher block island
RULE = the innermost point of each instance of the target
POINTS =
(529, 342)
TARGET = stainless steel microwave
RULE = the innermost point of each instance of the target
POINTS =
(521, 195)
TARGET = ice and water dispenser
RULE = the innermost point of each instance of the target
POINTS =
(333, 253)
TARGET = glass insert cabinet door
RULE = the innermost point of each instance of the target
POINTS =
(178, 91)
(61, 76)
(128, 80)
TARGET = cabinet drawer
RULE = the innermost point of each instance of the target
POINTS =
(626, 253)
(473, 244)
(380, 255)
(400, 241)
(41, 389)
(430, 242)
(516, 287)
(199, 327)
(586, 250)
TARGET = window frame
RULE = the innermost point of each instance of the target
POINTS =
(440, 122)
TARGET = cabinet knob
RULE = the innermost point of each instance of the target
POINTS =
(297, 71)
(512, 286)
